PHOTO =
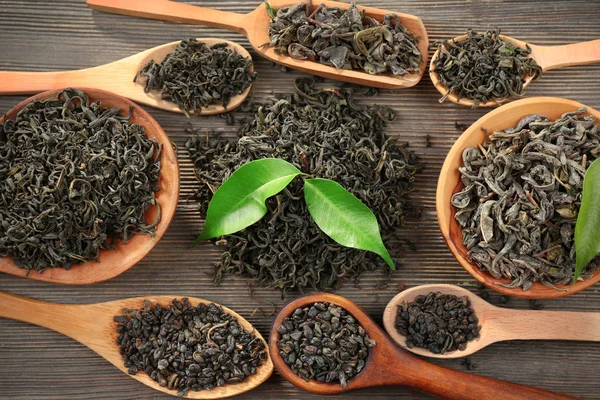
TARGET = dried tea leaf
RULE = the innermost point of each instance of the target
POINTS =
(587, 229)
(343, 217)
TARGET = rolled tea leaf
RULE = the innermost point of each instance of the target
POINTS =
(587, 229)
(343, 217)
(240, 201)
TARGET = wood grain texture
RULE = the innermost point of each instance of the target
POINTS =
(56, 35)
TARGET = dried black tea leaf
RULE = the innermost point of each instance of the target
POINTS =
(186, 348)
(437, 322)
(345, 39)
(484, 67)
(76, 177)
(522, 192)
(323, 342)
(323, 132)
(195, 75)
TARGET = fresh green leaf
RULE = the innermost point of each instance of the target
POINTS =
(343, 217)
(240, 201)
(587, 229)
(270, 10)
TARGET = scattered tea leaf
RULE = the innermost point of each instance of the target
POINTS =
(343, 217)
(587, 229)
(240, 201)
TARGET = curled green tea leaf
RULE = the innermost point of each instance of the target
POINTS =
(240, 201)
(343, 217)
(270, 10)
(587, 229)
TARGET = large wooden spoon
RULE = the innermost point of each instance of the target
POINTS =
(92, 325)
(499, 324)
(388, 364)
(116, 77)
(255, 26)
(547, 57)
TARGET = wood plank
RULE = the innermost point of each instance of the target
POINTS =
(62, 34)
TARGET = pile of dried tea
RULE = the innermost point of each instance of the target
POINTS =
(324, 134)
(76, 176)
(437, 322)
(345, 39)
(522, 193)
(183, 347)
(484, 67)
(323, 342)
(195, 75)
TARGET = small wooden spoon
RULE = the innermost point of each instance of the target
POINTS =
(389, 365)
(92, 325)
(499, 324)
(547, 57)
(116, 77)
(255, 26)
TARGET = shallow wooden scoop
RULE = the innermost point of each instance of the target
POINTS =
(114, 262)
(547, 57)
(116, 77)
(255, 26)
(92, 325)
(499, 324)
(389, 365)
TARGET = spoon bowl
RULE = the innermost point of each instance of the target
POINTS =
(388, 364)
(547, 57)
(498, 324)
(255, 26)
(117, 77)
(449, 183)
(92, 325)
(112, 263)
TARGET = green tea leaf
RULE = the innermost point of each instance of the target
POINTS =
(240, 201)
(343, 217)
(587, 229)
(270, 10)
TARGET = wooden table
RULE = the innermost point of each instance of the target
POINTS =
(54, 35)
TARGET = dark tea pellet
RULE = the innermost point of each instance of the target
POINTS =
(437, 322)
(323, 342)
(186, 348)
(195, 75)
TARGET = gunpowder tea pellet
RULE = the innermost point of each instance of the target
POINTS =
(484, 67)
(323, 342)
(344, 39)
(76, 176)
(195, 75)
(521, 196)
(437, 322)
(185, 347)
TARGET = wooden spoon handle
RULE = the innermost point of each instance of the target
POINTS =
(549, 325)
(455, 385)
(172, 11)
(64, 318)
(36, 82)
(551, 57)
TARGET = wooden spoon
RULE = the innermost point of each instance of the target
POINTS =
(547, 57)
(389, 365)
(499, 324)
(255, 26)
(116, 77)
(92, 325)
(110, 262)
